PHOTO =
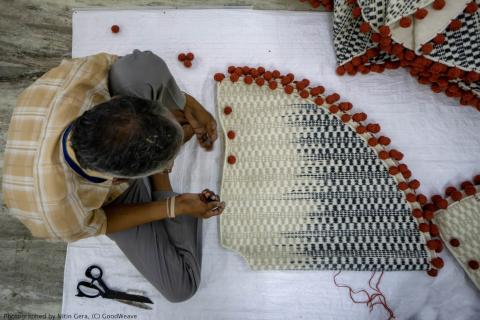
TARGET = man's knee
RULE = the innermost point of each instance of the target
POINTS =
(181, 294)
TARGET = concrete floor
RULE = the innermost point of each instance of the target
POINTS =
(35, 35)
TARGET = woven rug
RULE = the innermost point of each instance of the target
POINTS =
(309, 185)
(437, 41)
(458, 218)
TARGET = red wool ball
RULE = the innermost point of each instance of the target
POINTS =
(254, 72)
(340, 70)
(433, 244)
(187, 63)
(372, 142)
(182, 57)
(437, 262)
(403, 168)
(356, 12)
(427, 48)
(234, 77)
(231, 69)
(438, 4)
(345, 118)
(402, 185)
(231, 159)
(476, 179)
(450, 190)
(318, 101)
(466, 184)
(405, 22)
(383, 155)
(115, 28)
(454, 242)
(260, 81)
(414, 184)
(333, 98)
(288, 89)
(473, 264)
(384, 140)
(261, 70)
(267, 75)
(470, 190)
(422, 199)
(361, 129)
(428, 215)
(358, 117)
(231, 135)
(365, 27)
(417, 213)
(219, 77)
(227, 110)
(384, 30)
(432, 272)
(333, 108)
(276, 74)
(190, 56)
(304, 94)
(248, 79)
(411, 197)
(439, 39)
(455, 25)
(456, 195)
(273, 85)
(373, 127)
(421, 13)
(424, 227)
(471, 8)
(375, 37)
(317, 90)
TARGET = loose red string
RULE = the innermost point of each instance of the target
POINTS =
(370, 301)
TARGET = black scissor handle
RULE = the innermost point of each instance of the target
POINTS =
(94, 272)
(87, 289)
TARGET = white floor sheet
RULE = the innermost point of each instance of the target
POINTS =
(440, 140)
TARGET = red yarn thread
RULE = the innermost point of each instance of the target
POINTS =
(370, 301)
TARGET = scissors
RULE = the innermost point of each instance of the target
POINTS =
(90, 290)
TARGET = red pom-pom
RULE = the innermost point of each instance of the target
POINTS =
(471, 7)
(190, 56)
(424, 227)
(238, 71)
(433, 244)
(454, 242)
(411, 197)
(403, 167)
(267, 75)
(318, 101)
(407, 174)
(427, 48)
(428, 215)
(393, 170)
(437, 262)
(421, 13)
(317, 90)
(442, 204)
(375, 37)
(273, 85)
(345, 106)
(260, 70)
(438, 4)
(187, 63)
(470, 190)
(340, 70)
(439, 39)
(455, 25)
(417, 213)
(365, 27)
(421, 199)
(466, 184)
(384, 30)
(333, 108)
(333, 98)
(182, 57)
(414, 184)
(115, 28)
(373, 127)
(219, 77)
(304, 94)
(476, 179)
(227, 110)
(456, 196)
(288, 89)
(405, 22)
(450, 190)
(276, 74)
(360, 129)
(397, 155)
(231, 69)
(260, 81)
(345, 118)
(254, 72)
(384, 140)
(372, 142)
(383, 155)
(231, 135)
(231, 159)
(356, 12)
(432, 272)
(287, 79)
(358, 117)
(402, 185)
(248, 79)
(473, 264)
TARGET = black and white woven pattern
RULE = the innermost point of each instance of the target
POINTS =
(307, 192)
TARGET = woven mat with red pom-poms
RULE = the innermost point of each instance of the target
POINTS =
(438, 41)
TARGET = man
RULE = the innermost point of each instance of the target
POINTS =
(71, 149)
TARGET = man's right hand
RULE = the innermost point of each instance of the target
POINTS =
(194, 204)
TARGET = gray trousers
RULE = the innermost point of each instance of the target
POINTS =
(167, 252)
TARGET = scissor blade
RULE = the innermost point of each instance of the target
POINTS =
(135, 304)
(125, 296)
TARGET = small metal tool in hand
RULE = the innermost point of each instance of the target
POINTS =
(91, 290)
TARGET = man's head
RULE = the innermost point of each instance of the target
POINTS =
(126, 137)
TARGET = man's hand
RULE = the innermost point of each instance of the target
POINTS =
(201, 205)
(202, 122)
